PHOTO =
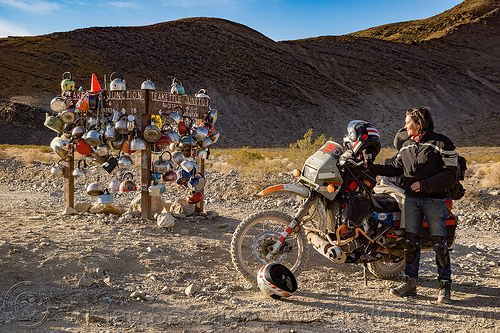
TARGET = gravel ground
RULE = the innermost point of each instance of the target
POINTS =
(106, 273)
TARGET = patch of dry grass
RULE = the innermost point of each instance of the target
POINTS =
(489, 174)
(28, 153)
(483, 162)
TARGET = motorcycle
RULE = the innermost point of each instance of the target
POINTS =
(340, 216)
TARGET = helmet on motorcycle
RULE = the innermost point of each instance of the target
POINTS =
(362, 137)
(276, 281)
(400, 138)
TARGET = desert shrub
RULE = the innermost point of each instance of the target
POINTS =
(490, 175)
(27, 153)
(35, 155)
(245, 155)
(299, 151)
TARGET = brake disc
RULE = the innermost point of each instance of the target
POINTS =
(262, 244)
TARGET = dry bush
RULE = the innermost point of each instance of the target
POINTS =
(34, 155)
(28, 153)
(490, 175)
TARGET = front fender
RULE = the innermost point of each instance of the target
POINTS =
(299, 190)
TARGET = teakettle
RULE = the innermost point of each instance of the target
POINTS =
(67, 84)
(95, 189)
(83, 148)
(67, 116)
(78, 172)
(53, 123)
(93, 138)
(110, 133)
(117, 84)
(156, 189)
(78, 131)
(163, 165)
(195, 197)
(121, 125)
(57, 170)
(59, 104)
(110, 164)
(137, 144)
(114, 185)
(124, 160)
(106, 197)
(214, 137)
(126, 148)
(128, 184)
(177, 87)
(148, 85)
(151, 133)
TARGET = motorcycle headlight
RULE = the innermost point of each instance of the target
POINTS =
(309, 172)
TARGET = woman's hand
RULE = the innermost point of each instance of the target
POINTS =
(415, 187)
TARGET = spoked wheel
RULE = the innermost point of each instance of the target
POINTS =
(386, 270)
(254, 238)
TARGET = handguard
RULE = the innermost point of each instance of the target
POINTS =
(299, 190)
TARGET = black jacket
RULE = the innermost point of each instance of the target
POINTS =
(432, 161)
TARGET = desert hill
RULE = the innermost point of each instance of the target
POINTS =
(270, 93)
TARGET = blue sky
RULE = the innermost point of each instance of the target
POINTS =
(277, 19)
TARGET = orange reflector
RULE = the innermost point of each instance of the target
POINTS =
(330, 188)
(296, 173)
(343, 229)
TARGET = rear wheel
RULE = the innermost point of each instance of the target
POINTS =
(254, 237)
(386, 270)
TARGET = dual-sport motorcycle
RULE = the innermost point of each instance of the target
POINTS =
(340, 215)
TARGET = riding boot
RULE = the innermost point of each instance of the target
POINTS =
(444, 292)
(408, 288)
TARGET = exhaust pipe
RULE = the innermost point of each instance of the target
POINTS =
(334, 253)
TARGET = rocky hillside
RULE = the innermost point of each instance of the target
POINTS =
(270, 93)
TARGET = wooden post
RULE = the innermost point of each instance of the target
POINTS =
(201, 165)
(69, 181)
(145, 163)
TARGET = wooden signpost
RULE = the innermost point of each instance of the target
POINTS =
(142, 104)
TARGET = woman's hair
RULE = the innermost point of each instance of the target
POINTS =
(422, 117)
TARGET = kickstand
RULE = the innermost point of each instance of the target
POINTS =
(365, 276)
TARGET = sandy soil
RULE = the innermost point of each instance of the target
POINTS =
(44, 255)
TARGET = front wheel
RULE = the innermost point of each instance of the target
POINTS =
(386, 270)
(255, 235)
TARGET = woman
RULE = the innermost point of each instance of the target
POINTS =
(427, 162)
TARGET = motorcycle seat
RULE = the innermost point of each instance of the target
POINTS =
(384, 203)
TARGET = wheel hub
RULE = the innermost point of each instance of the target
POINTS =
(263, 244)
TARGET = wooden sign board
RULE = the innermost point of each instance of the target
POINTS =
(134, 102)
(165, 103)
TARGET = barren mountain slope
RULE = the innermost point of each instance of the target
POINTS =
(270, 93)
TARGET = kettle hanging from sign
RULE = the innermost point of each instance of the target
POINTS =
(177, 87)
(117, 84)
(67, 84)
(128, 184)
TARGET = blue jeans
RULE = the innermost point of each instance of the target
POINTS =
(436, 215)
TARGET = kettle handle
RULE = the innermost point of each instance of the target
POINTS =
(128, 176)
(117, 73)
(169, 153)
(189, 123)
(181, 113)
(70, 75)
(84, 164)
(176, 80)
